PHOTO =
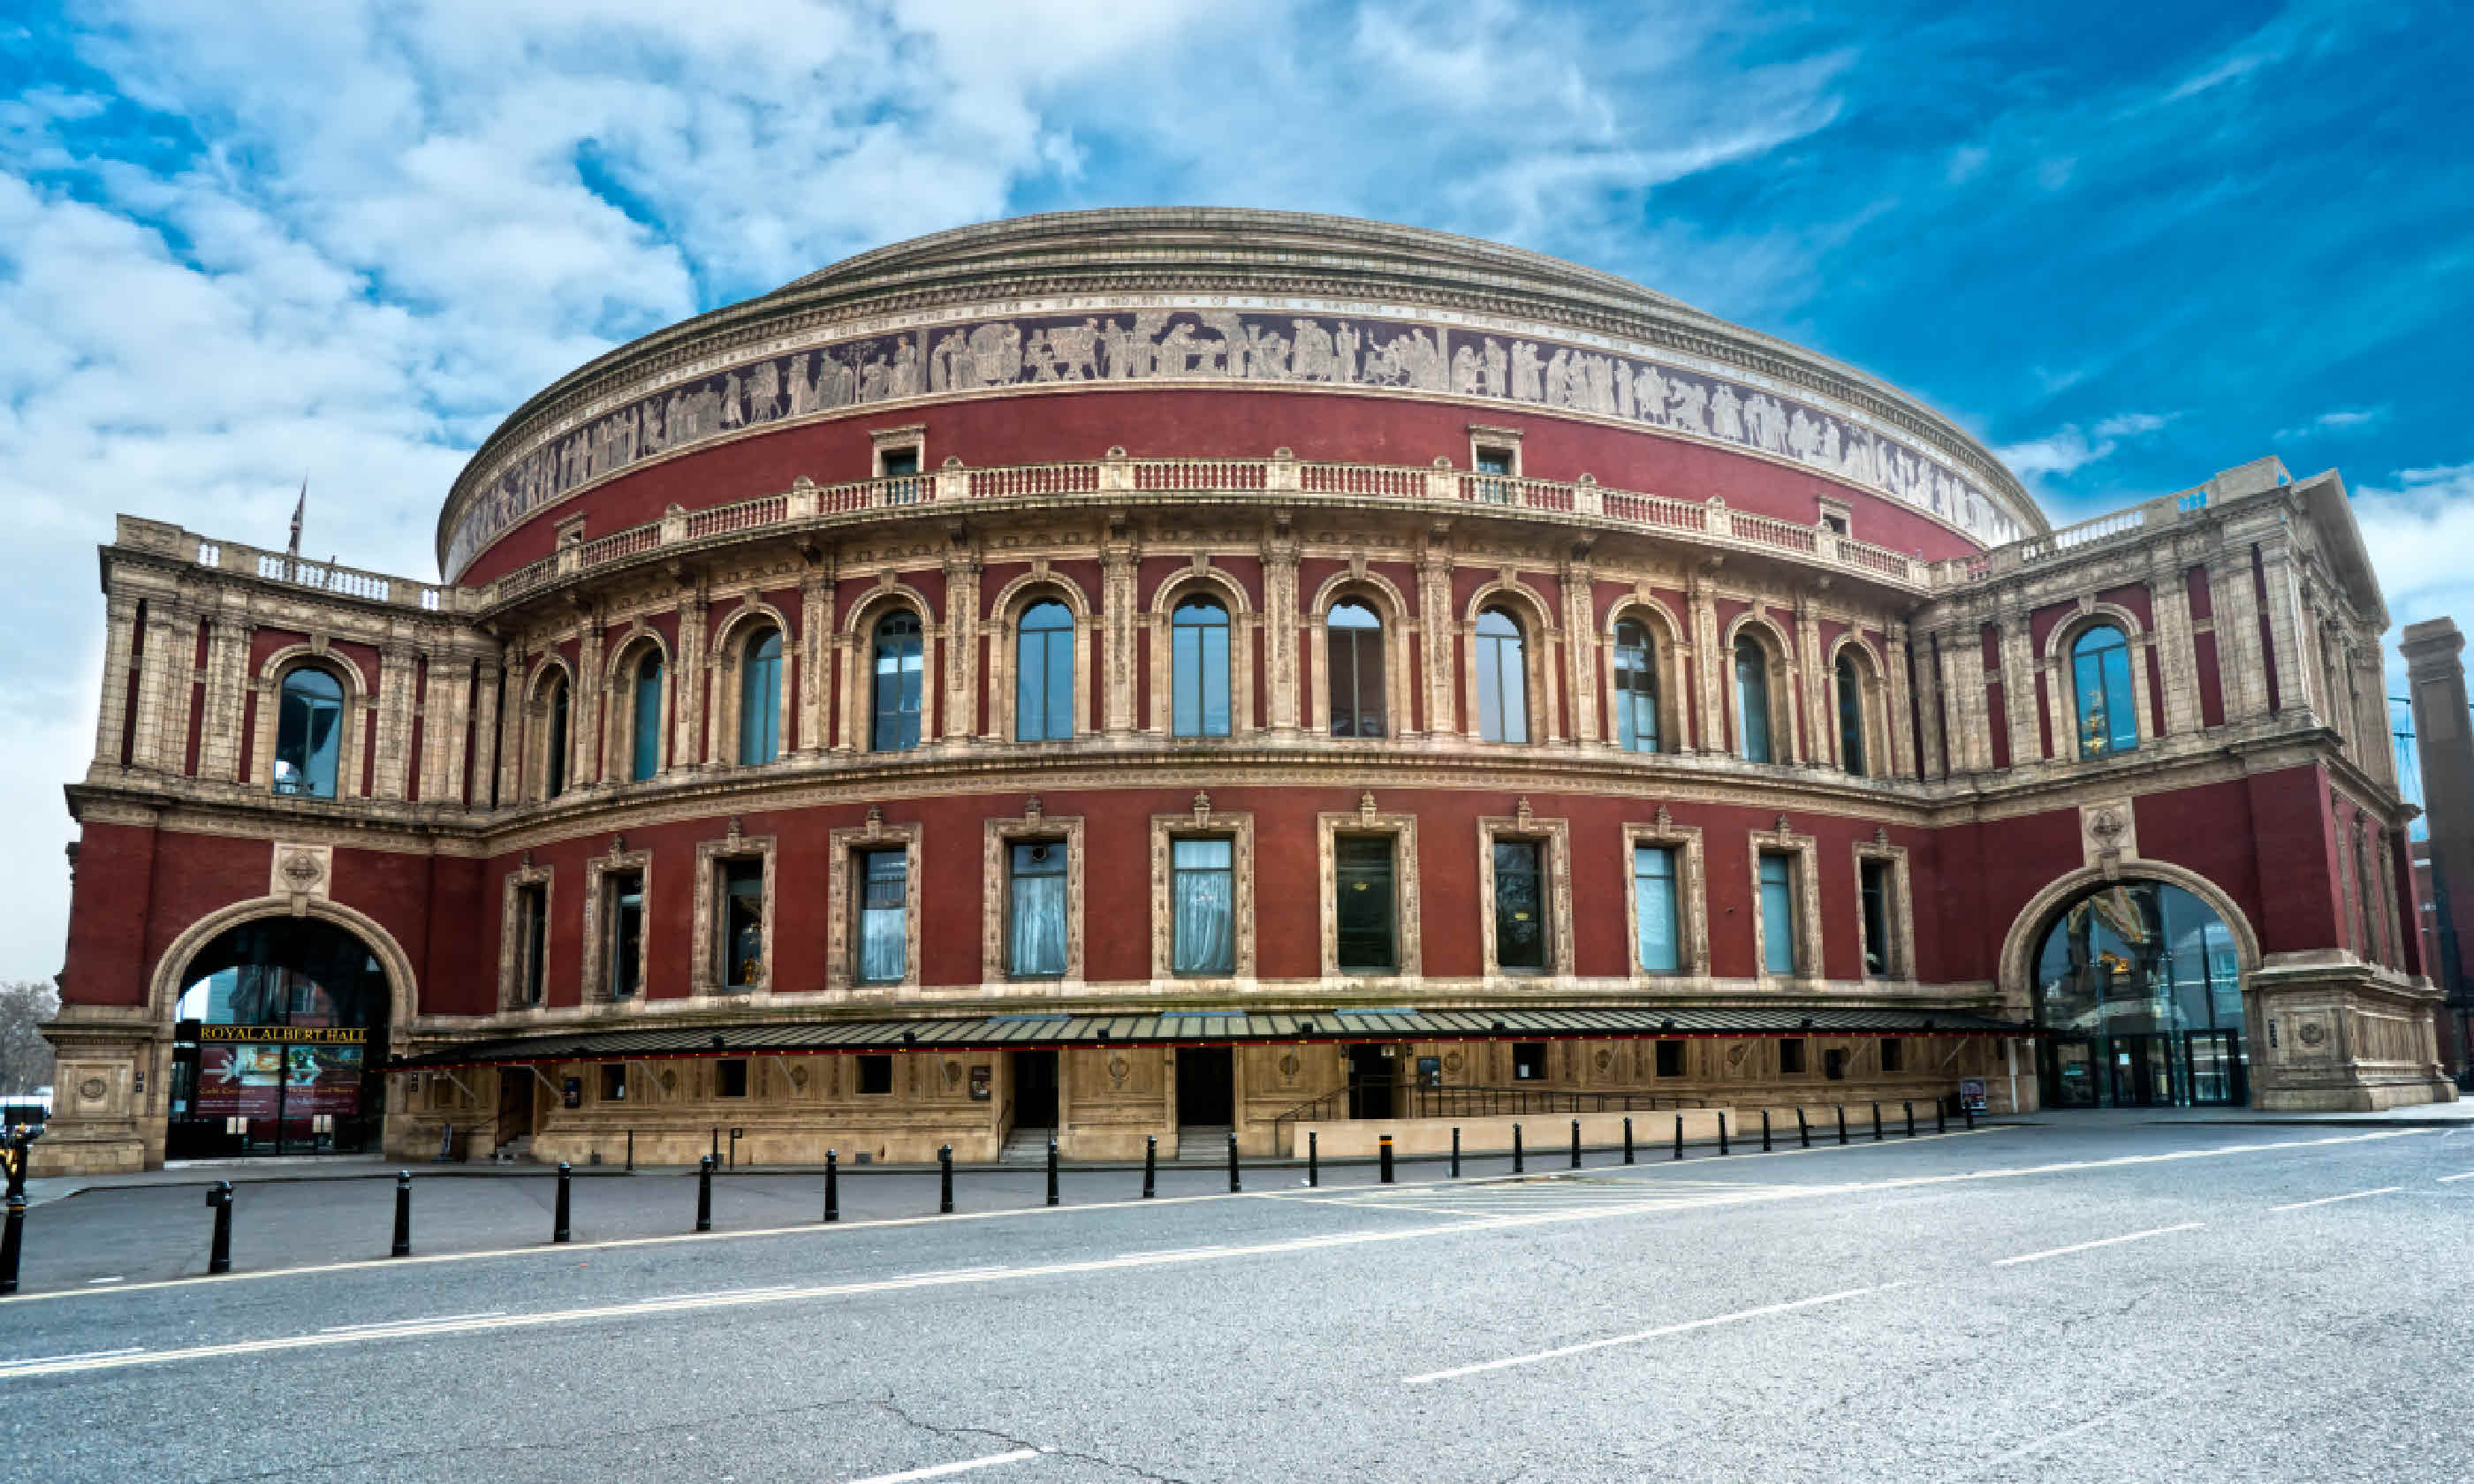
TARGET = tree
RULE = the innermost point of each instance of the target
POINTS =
(25, 1056)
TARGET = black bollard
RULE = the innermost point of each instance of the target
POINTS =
(1150, 1163)
(1627, 1138)
(832, 1186)
(1765, 1131)
(704, 1194)
(1910, 1106)
(1941, 1116)
(1803, 1130)
(944, 1179)
(1234, 1185)
(12, 1240)
(631, 1151)
(1576, 1143)
(219, 1251)
(1051, 1170)
(1679, 1136)
(1314, 1165)
(1456, 1151)
(1842, 1123)
(558, 1226)
(1877, 1123)
(402, 1247)
(1386, 1148)
(1722, 1131)
(1967, 1111)
(1516, 1149)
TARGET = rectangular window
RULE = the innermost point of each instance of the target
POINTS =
(1203, 891)
(625, 930)
(1494, 466)
(1778, 914)
(1529, 1061)
(1653, 896)
(1035, 910)
(1833, 1065)
(1363, 916)
(1894, 1054)
(614, 1081)
(1519, 905)
(1670, 1059)
(1791, 1056)
(1875, 888)
(742, 924)
(533, 901)
(874, 1075)
(901, 462)
(730, 1077)
(884, 916)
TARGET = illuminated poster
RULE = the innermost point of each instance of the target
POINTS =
(245, 1071)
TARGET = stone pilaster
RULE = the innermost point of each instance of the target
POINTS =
(227, 686)
(388, 779)
(2287, 626)
(2240, 668)
(1579, 582)
(2177, 657)
(485, 731)
(1442, 628)
(1900, 723)
(961, 672)
(1119, 557)
(1962, 659)
(816, 657)
(687, 690)
(1285, 706)
(157, 671)
(1818, 740)
(511, 728)
(1710, 727)
(2018, 681)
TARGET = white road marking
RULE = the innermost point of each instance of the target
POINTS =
(2445, 1179)
(1177, 1252)
(114, 1278)
(2103, 1242)
(717, 1293)
(941, 1470)
(1561, 1350)
(380, 1324)
(2331, 1200)
(84, 1354)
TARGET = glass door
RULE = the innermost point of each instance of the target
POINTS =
(2216, 1067)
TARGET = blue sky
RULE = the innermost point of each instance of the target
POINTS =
(2127, 245)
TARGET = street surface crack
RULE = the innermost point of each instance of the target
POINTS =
(993, 1435)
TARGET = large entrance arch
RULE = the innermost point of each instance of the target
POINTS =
(278, 1021)
(2136, 986)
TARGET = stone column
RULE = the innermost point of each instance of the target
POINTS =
(2240, 668)
(815, 660)
(1440, 628)
(2176, 655)
(1817, 740)
(1962, 659)
(180, 692)
(510, 745)
(1901, 725)
(227, 686)
(1118, 558)
(1579, 581)
(1286, 703)
(388, 777)
(1701, 598)
(2287, 624)
(119, 644)
(156, 672)
(961, 644)
(2019, 686)
(688, 689)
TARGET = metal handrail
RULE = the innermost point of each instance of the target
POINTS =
(1484, 1102)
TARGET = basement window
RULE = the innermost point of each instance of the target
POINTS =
(1894, 1055)
(875, 1076)
(1529, 1061)
(1670, 1059)
(730, 1077)
(1791, 1056)
(614, 1081)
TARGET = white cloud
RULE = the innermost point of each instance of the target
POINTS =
(2067, 449)
(2340, 420)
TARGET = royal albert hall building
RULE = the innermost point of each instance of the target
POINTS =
(1154, 672)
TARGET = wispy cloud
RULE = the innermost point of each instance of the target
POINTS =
(2067, 449)
(2337, 421)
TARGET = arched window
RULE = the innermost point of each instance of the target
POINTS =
(1502, 679)
(2138, 989)
(1636, 687)
(1043, 674)
(644, 758)
(554, 761)
(1850, 716)
(1354, 651)
(897, 683)
(760, 697)
(1752, 697)
(1199, 669)
(2100, 681)
(309, 734)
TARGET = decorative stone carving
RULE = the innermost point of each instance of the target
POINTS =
(301, 872)
(2108, 834)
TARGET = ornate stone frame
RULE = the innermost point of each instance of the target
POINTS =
(1402, 828)
(1203, 822)
(1872, 704)
(163, 994)
(882, 440)
(618, 711)
(1786, 744)
(1378, 593)
(1243, 623)
(1540, 637)
(1667, 649)
(269, 685)
(596, 927)
(553, 666)
(2062, 703)
(842, 848)
(511, 934)
(1038, 584)
(1901, 955)
(1505, 440)
(727, 653)
(2028, 927)
(704, 976)
(1556, 835)
(857, 643)
(1806, 851)
(1033, 823)
(1692, 896)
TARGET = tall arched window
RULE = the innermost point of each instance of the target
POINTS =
(1043, 674)
(1636, 687)
(2100, 682)
(1502, 679)
(1199, 669)
(554, 745)
(1353, 652)
(1850, 716)
(897, 683)
(644, 758)
(309, 734)
(760, 697)
(1752, 697)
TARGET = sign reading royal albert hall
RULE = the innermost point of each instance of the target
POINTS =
(252, 1072)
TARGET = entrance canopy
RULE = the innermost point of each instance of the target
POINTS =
(1195, 1028)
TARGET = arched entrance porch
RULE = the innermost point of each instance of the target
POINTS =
(2136, 985)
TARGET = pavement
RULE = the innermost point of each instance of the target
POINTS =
(2059, 1299)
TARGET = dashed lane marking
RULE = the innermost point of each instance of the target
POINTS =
(2101, 1241)
(1662, 1331)
(2331, 1200)
(944, 1471)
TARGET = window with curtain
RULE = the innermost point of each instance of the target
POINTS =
(2100, 682)
(1502, 679)
(1202, 891)
(1778, 914)
(883, 914)
(1752, 697)
(1636, 687)
(625, 891)
(1873, 887)
(1353, 656)
(760, 697)
(1653, 896)
(1199, 669)
(1519, 905)
(1043, 674)
(554, 765)
(646, 759)
(1035, 910)
(1363, 918)
(1850, 716)
(898, 680)
(742, 924)
(309, 734)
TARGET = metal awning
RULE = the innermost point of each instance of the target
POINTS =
(1194, 1028)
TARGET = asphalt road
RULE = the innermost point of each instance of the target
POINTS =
(2060, 1299)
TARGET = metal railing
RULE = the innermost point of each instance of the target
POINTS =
(1489, 1102)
